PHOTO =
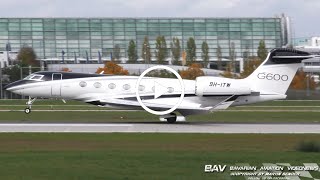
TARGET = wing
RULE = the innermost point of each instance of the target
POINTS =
(191, 104)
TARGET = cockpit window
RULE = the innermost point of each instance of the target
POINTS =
(28, 77)
(36, 77)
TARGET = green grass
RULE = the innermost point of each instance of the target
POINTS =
(290, 111)
(141, 116)
(145, 156)
(77, 117)
(39, 102)
(17, 107)
(141, 156)
(289, 103)
(72, 102)
(52, 107)
(308, 146)
(259, 117)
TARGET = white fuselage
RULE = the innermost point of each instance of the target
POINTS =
(269, 81)
(202, 94)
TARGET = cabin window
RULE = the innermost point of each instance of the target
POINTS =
(56, 76)
(82, 84)
(170, 89)
(141, 88)
(97, 85)
(112, 86)
(126, 87)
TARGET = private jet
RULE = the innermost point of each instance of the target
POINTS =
(205, 94)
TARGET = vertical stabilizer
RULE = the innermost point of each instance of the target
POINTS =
(275, 74)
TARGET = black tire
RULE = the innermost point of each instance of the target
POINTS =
(27, 110)
(172, 120)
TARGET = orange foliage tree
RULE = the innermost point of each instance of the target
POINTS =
(184, 56)
(193, 71)
(300, 80)
(249, 66)
(112, 68)
(65, 69)
(227, 73)
(252, 64)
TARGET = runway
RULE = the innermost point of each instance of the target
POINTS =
(161, 128)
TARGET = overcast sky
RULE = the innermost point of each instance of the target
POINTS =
(304, 13)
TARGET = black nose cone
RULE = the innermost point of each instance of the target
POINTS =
(14, 84)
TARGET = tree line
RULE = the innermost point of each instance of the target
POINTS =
(189, 56)
(162, 51)
(27, 57)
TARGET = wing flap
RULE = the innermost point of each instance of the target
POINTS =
(225, 104)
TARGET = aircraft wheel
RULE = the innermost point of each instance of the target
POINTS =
(27, 110)
(172, 120)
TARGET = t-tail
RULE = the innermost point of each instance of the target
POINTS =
(275, 74)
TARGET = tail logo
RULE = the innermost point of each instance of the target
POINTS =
(272, 77)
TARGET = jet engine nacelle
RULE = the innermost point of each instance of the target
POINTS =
(221, 86)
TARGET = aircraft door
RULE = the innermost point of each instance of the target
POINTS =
(56, 88)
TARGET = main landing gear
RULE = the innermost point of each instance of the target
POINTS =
(29, 104)
(171, 118)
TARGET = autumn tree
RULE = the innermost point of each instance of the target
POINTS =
(175, 50)
(184, 58)
(191, 50)
(193, 71)
(205, 53)
(132, 52)
(27, 57)
(146, 54)
(228, 72)
(262, 50)
(161, 73)
(65, 69)
(300, 81)
(116, 52)
(246, 55)
(161, 47)
(112, 68)
(13, 72)
(219, 57)
(251, 65)
(232, 57)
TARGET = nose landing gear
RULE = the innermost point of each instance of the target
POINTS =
(29, 104)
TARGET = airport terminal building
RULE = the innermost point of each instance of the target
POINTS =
(96, 38)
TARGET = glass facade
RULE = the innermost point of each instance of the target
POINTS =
(81, 36)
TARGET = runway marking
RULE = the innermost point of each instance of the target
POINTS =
(271, 110)
(274, 106)
(71, 110)
(91, 106)
(48, 105)
(119, 110)
(63, 125)
(162, 128)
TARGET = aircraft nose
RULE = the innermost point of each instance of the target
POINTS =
(12, 86)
